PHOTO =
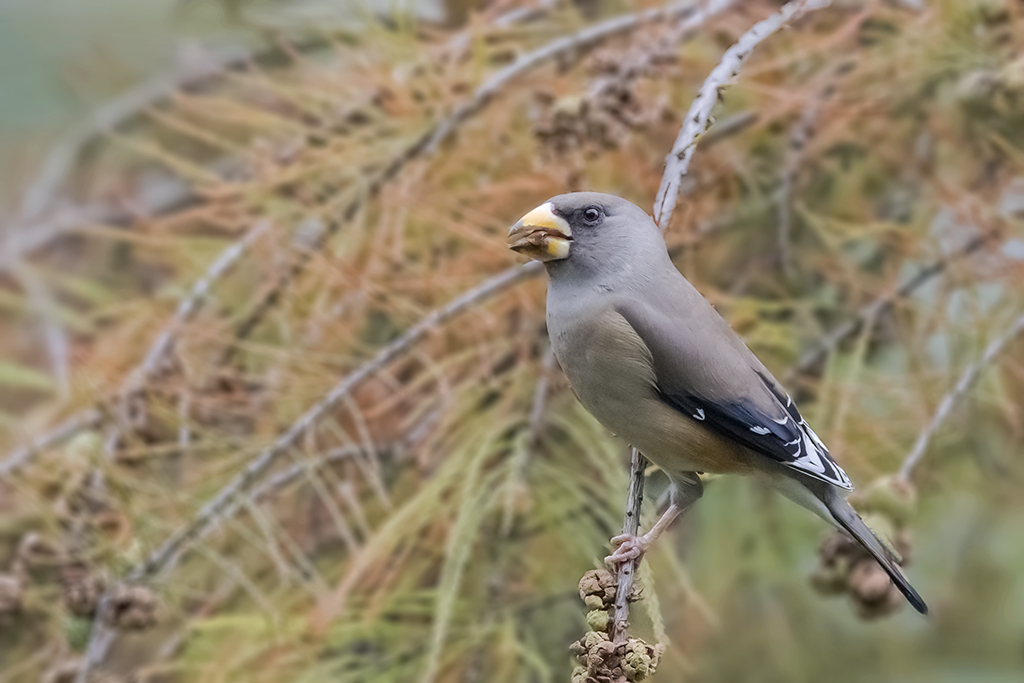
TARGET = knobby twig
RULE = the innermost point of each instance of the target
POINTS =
(430, 141)
(882, 303)
(696, 122)
(101, 637)
(950, 400)
(631, 526)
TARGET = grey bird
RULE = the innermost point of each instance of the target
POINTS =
(654, 362)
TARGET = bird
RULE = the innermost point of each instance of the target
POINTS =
(655, 363)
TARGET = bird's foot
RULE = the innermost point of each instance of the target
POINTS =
(628, 548)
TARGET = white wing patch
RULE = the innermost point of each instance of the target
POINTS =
(699, 414)
(758, 429)
(810, 454)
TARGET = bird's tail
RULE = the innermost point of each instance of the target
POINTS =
(848, 518)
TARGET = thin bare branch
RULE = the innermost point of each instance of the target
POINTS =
(630, 525)
(677, 163)
(101, 637)
(956, 394)
(22, 240)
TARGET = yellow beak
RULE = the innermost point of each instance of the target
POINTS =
(541, 235)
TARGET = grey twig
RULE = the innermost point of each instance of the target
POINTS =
(696, 122)
(872, 310)
(101, 637)
(956, 394)
(631, 526)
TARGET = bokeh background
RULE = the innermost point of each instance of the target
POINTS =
(232, 232)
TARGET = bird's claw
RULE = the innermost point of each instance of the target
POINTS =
(628, 548)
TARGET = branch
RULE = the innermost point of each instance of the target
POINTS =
(696, 122)
(101, 637)
(676, 167)
(950, 400)
(631, 526)
(872, 310)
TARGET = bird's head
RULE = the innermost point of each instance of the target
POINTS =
(584, 231)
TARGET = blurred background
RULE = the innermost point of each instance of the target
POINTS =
(265, 355)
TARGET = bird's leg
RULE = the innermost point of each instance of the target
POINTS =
(686, 490)
(629, 547)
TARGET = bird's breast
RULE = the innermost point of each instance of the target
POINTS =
(612, 373)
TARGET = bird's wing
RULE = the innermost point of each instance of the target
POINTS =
(704, 371)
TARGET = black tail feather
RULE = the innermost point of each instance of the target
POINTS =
(848, 518)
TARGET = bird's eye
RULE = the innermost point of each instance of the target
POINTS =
(591, 215)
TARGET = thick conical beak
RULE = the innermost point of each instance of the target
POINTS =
(541, 235)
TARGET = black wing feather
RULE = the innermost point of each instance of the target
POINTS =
(791, 441)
